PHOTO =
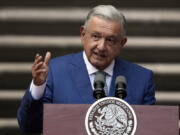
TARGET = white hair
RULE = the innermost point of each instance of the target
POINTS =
(107, 12)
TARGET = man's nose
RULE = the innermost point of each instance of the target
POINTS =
(101, 45)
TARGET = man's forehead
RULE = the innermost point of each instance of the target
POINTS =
(106, 27)
(100, 33)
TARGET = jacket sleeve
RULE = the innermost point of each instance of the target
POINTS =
(30, 112)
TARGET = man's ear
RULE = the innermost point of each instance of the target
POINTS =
(83, 32)
(123, 41)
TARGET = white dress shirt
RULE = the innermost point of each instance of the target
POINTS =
(38, 91)
(92, 70)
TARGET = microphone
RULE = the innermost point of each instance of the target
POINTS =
(99, 82)
(120, 85)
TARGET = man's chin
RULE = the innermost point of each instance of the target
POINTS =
(99, 65)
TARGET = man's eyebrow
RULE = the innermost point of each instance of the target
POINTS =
(108, 36)
(112, 36)
(95, 32)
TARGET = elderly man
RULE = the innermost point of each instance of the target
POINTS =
(69, 79)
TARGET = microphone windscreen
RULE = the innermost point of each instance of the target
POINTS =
(100, 77)
(120, 79)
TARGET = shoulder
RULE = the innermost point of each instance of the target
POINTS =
(132, 67)
(66, 58)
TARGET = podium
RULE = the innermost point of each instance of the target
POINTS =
(69, 119)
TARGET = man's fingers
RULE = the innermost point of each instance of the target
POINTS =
(37, 54)
(38, 65)
(38, 58)
(44, 70)
(47, 58)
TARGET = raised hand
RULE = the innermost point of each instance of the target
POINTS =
(40, 68)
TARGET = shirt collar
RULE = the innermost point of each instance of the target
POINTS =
(91, 69)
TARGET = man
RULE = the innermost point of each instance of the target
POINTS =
(69, 79)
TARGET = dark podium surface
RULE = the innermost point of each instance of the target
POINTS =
(69, 119)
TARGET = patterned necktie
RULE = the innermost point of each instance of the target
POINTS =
(105, 85)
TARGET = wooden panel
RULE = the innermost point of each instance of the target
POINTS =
(60, 119)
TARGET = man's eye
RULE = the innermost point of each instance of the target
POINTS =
(95, 36)
(110, 40)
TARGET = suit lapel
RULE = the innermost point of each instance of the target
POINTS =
(80, 77)
(119, 69)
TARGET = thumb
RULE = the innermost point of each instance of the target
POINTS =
(47, 58)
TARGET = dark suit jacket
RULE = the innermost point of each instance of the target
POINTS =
(68, 83)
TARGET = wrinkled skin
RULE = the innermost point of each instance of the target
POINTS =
(102, 41)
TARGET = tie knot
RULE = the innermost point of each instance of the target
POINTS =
(101, 72)
(101, 75)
